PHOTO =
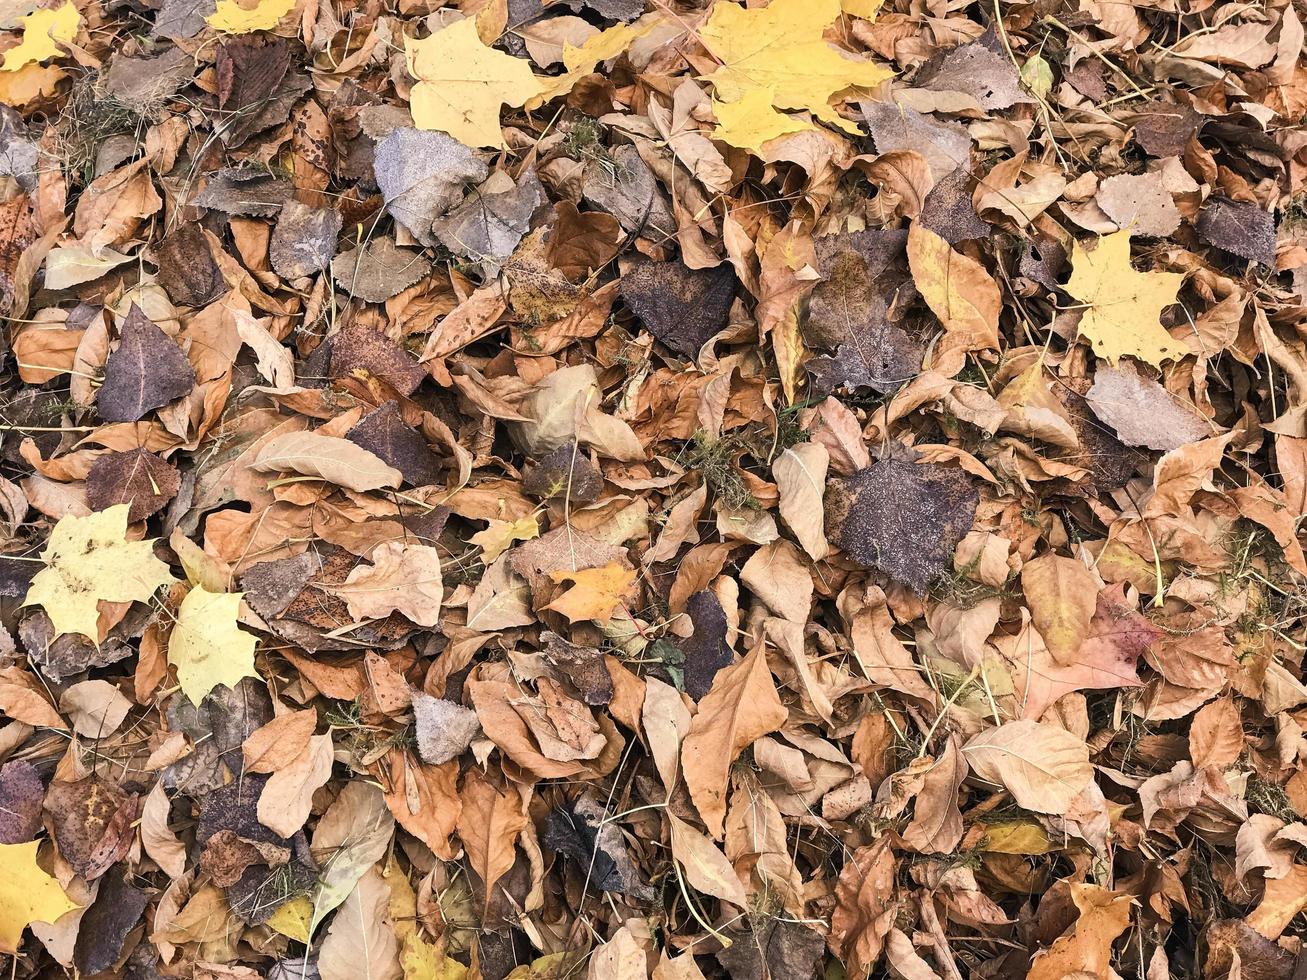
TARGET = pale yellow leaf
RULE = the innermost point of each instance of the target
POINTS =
(231, 17)
(463, 85)
(88, 559)
(27, 894)
(781, 48)
(1042, 766)
(207, 647)
(41, 30)
(751, 121)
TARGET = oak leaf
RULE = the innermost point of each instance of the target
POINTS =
(89, 559)
(1087, 951)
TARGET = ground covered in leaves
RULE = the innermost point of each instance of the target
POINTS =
(653, 491)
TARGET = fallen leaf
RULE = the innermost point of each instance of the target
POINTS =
(957, 289)
(361, 941)
(1043, 767)
(231, 17)
(902, 517)
(207, 646)
(1104, 915)
(27, 894)
(800, 473)
(1061, 593)
(781, 48)
(1142, 412)
(742, 706)
(1123, 307)
(88, 560)
(323, 457)
(146, 371)
(43, 31)
(403, 578)
(462, 84)
(595, 593)
(705, 867)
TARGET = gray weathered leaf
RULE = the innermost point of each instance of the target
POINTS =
(422, 174)
(488, 225)
(1142, 412)
(145, 372)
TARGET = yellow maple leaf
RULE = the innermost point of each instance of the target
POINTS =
(88, 559)
(231, 18)
(495, 539)
(206, 646)
(581, 61)
(27, 894)
(1124, 306)
(866, 9)
(595, 592)
(31, 82)
(41, 29)
(751, 121)
(462, 84)
(292, 918)
(780, 47)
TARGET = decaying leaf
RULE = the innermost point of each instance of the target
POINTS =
(749, 490)
(901, 516)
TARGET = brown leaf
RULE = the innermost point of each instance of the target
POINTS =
(137, 477)
(488, 827)
(742, 705)
(1104, 915)
(864, 907)
(1061, 593)
(276, 744)
(146, 371)
(1216, 734)
(1043, 767)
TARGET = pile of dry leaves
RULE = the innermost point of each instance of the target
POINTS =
(517, 489)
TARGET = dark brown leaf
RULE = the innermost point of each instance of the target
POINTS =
(145, 372)
(138, 478)
(681, 307)
(901, 517)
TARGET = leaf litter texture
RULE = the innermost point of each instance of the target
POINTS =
(625, 490)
